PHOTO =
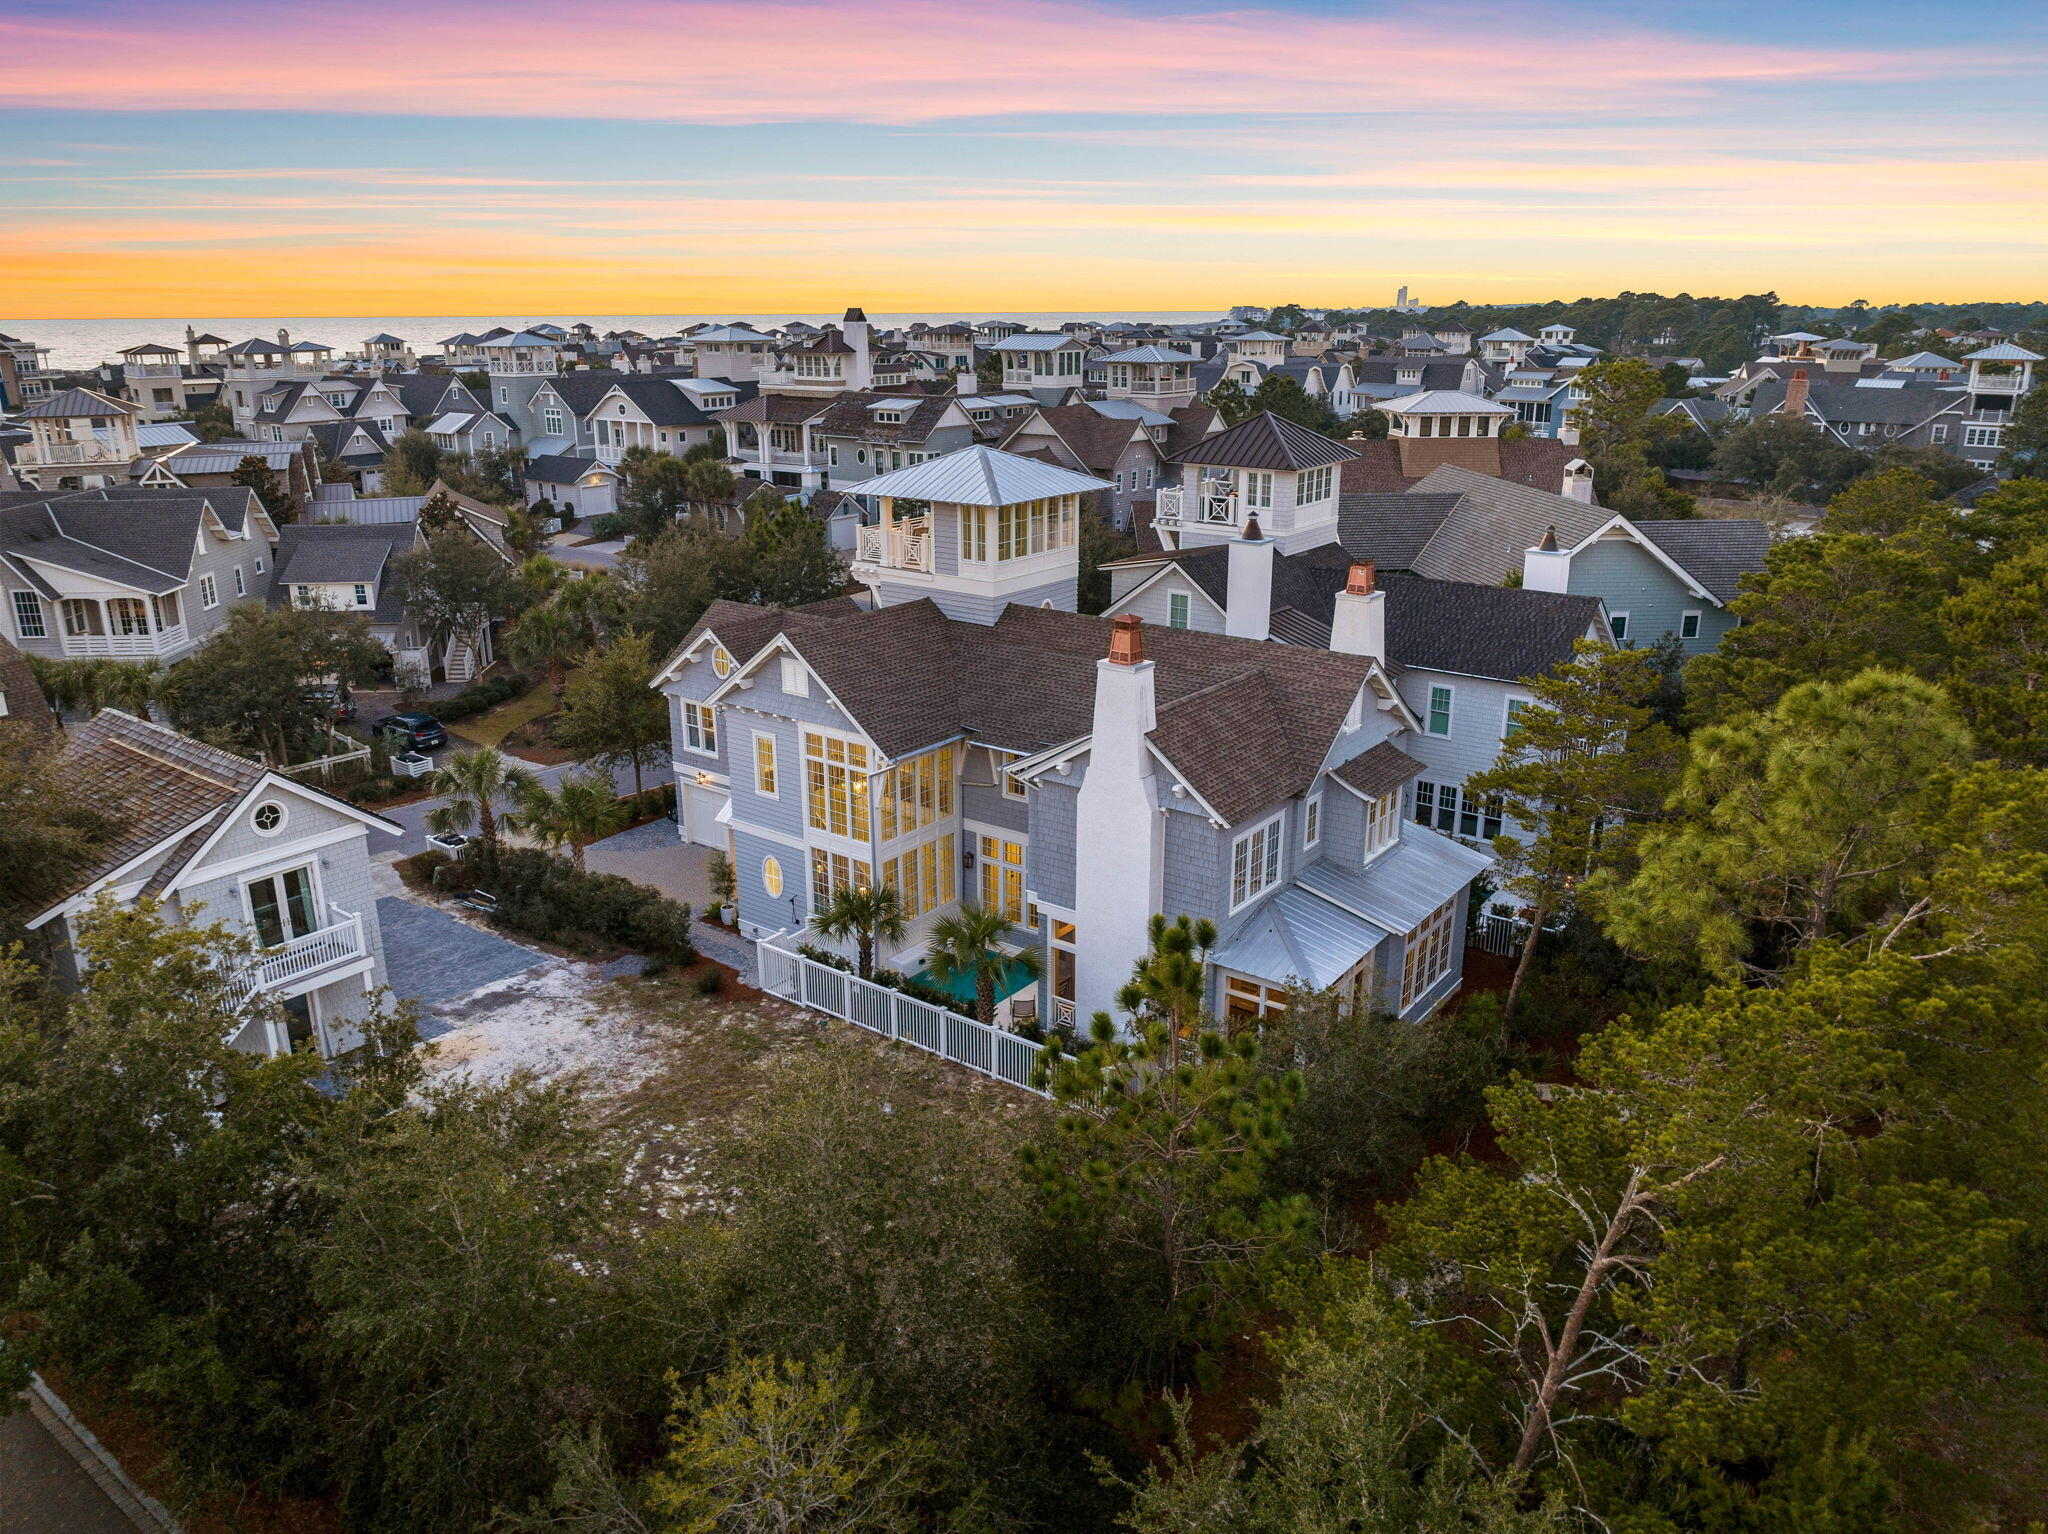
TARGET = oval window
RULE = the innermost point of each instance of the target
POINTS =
(860, 455)
(269, 818)
(721, 662)
(771, 878)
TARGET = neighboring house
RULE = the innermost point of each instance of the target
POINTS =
(842, 356)
(215, 837)
(1044, 366)
(347, 567)
(163, 385)
(132, 574)
(1128, 450)
(733, 353)
(213, 465)
(602, 414)
(585, 487)
(1429, 430)
(1079, 776)
(774, 438)
(24, 369)
(976, 530)
(80, 439)
(861, 434)
(1458, 525)
(1459, 653)
(1265, 468)
(1159, 376)
(1657, 579)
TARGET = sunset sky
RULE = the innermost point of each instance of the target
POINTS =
(379, 157)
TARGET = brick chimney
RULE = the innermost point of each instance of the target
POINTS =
(1796, 392)
(1358, 620)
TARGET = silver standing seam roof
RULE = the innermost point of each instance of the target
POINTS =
(1302, 938)
(980, 476)
(1399, 889)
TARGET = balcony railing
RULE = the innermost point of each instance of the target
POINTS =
(75, 452)
(902, 547)
(1201, 508)
(302, 957)
(165, 641)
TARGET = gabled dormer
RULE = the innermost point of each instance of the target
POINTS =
(1265, 468)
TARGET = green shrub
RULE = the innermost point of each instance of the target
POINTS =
(484, 695)
(373, 790)
(709, 982)
(419, 869)
(543, 896)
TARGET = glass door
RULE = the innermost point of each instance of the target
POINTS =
(282, 906)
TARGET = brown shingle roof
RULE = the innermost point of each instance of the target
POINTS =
(23, 711)
(1097, 441)
(1379, 771)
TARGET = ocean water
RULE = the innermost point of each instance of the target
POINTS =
(82, 343)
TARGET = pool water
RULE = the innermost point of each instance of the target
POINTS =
(1011, 980)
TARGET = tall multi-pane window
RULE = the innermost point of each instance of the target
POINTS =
(1428, 958)
(1002, 877)
(1258, 489)
(764, 766)
(1255, 862)
(1177, 608)
(835, 871)
(836, 784)
(1515, 709)
(923, 876)
(1312, 820)
(1382, 822)
(1032, 527)
(29, 622)
(1313, 486)
(1439, 711)
(916, 792)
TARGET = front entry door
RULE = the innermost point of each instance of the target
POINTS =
(281, 906)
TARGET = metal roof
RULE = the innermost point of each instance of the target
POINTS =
(73, 403)
(1400, 888)
(2004, 351)
(981, 476)
(1127, 410)
(1922, 360)
(1299, 937)
(1151, 354)
(1445, 402)
(1507, 335)
(1029, 341)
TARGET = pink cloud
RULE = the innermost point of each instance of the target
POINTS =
(906, 61)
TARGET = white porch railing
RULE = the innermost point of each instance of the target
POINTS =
(902, 547)
(1005, 1057)
(75, 452)
(166, 641)
(1202, 507)
(326, 764)
(299, 957)
(1063, 1012)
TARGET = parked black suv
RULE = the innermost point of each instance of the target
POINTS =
(419, 732)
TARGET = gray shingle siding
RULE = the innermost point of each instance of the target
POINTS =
(1049, 856)
(1629, 579)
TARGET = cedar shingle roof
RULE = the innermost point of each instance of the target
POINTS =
(150, 783)
(1267, 441)
(1097, 441)
(23, 711)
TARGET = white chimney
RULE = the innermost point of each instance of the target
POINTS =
(1358, 625)
(1578, 481)
(1117, 819)
(967, 382)
(1546, 567)
(1248, 614)
(860, 367)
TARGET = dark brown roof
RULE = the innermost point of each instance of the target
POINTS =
(1379, 771)
(785, 408)
(1097, 441)
(849, 416)
(1267, 441)
(23, 711)
(1191, 424)
(1537, 461)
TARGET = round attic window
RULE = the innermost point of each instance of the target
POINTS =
(721, 662)
(269, 818)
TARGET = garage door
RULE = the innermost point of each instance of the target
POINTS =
(701, 806)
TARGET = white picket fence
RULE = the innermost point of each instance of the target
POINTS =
(1006, 1057)
(1503, 935)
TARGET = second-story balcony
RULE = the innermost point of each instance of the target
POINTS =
(159, 644)
(296, 961)
(1202, 505)
(94, 450)
(905, 546)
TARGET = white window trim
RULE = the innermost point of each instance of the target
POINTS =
(794, 677)
(774, 765)
(209, 593)
(1617, 624)
(1271, 826)
(706, 709)
(1311, 822)
(284, 817)
(1450, 710)
(33, 606)
(1697, 617)
(1179, 610)
(1507, 710)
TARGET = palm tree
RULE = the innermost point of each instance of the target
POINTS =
(863, 915)
(583, 808)
(964, 944)
(549, 636)
(473, 782)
